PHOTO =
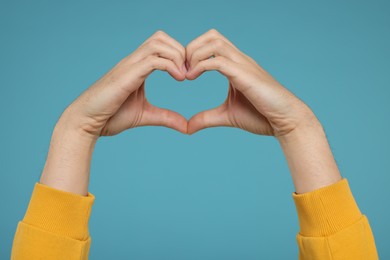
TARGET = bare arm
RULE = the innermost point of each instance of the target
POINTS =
(309, 157)
(68, 161)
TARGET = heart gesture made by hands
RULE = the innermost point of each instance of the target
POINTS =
(256, 102)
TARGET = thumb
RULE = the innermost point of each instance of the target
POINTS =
(156, 116)
(209, 118)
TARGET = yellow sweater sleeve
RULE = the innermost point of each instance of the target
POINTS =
(55, 226)
(332, 226)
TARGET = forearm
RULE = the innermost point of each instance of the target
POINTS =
(68, 161)
(331, 224)
(309, 157)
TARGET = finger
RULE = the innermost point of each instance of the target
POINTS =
(224, 65)
(155, 116)
(164, 37)
(209, 118)
(128, 78)
(204, 39)
(214, 48)
(151, 63)
(161, 49)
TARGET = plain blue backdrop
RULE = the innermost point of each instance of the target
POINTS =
(222, 193)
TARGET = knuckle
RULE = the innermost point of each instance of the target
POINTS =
(154, 43)
(177, 55)
(219, 43)
(218, 62)
(194, 56)
(213, 31)
(159, 34)
(188, 49)
(152, 61)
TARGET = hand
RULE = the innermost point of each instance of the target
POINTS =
(256, 102)
(117, 101)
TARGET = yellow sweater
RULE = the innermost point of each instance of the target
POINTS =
(331, 225)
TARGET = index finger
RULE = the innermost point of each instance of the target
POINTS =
(163, 36)
(203, 39)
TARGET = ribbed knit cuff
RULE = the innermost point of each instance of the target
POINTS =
(59, 211)
(327, 210)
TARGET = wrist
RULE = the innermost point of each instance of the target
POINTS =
(74, 134)
(68, 161)
(309, 157)
(308, 126)
(68, 124)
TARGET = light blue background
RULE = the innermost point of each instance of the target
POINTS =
(222, 193)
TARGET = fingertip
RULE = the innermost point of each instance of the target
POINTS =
(191, 128)
(180, 128)
(190, 76)
(178, 75)
(179, 123)
(184, 128)
(191, 132)
(182, 77)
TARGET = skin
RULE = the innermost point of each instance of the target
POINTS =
(256, 103)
